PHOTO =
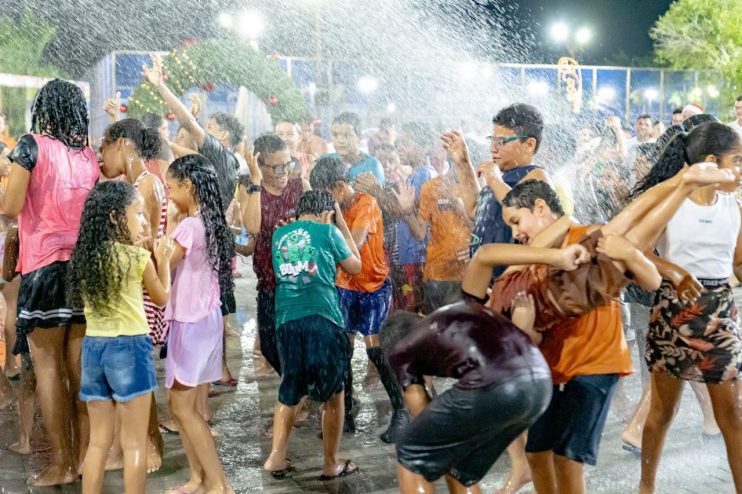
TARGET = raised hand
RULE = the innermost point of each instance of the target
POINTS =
(164, 248)
(195, 105)
(112, 106)
(454, 144)
(252, 164)
(490, 172)
(366, 182)
(154, 74)
(405, 197)
(572, 256)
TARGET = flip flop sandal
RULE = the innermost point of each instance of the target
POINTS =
(281, 473)
(167, 430)
(631, 448)
(348, 469)
(227, 384)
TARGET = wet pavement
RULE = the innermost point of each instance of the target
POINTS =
(241, 418)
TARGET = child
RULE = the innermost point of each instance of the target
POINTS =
(365, 299)
(346, 132)
(571, 281)
(108, 270)
(311, 341)
(503, 386)
(203, 251)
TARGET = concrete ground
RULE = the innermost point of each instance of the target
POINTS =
(689, 464)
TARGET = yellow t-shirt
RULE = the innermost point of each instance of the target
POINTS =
(125, 315)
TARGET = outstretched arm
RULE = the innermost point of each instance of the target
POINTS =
(155, 77)
(628, 258)
(479, 272)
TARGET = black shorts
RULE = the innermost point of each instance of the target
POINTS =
(463, 432)
(314, 355)
(574, 421)
(42, 303)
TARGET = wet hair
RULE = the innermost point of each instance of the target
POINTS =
(695, 120)
(420, 132)
(147, 141)
(268, 144)
(152, 120)
(315, 202)
(351, 119)
(396, 327)
(525, 193)
(229, 123)
(60, 112)
(96, 272)
(645, 116)
(678, 111)
(646, 150)
(523, 119)
(710, 138)
(328, 171)
(219, 241)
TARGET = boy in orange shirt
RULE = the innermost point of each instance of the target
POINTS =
(365, 299)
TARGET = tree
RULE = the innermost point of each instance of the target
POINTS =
(703, 35)
(23, 40)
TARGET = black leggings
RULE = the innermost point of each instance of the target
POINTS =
(267, 328)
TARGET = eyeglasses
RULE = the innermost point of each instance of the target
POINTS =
(501, 141)
(281, 169)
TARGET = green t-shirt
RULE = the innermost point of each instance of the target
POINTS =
(305, 255)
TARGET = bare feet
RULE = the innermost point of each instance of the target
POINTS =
(154, 457)
(53, 475)
(190, 487)
(21, 447)
(631, 441)
(342, 469)
(114, 462)
(516, 480)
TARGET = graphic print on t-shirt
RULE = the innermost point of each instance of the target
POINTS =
(296, 256)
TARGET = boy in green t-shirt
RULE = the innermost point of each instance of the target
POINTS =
(312, 345)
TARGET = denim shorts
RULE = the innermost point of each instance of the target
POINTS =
(118, 368)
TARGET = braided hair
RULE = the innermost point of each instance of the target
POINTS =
(95, 273)
(691, 147)
(60, 112)
(219, 241)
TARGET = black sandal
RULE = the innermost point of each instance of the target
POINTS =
(348, 468)
(281, 473)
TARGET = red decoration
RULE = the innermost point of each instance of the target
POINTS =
(123, 108)
(170, 116)
(273, 100)
(208, 87)
(189, 42)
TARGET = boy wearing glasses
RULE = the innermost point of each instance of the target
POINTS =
(268, 200)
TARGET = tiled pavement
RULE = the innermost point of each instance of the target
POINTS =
(241, 418)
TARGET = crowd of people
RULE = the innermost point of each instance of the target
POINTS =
(527, 276)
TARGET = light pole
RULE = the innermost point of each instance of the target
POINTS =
(575, 41)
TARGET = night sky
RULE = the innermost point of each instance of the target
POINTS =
(618, 25)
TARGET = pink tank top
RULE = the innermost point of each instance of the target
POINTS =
(49, 222)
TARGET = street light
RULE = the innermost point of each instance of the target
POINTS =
(225, 20)
(368, 84)
(391, 108)
(606, 93)
(651, 94)
(468, 70)
(583, 36)
(559, 31)
(538, 88)
(251, 24)
(712, 91)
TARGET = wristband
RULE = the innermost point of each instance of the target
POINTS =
(473, 298)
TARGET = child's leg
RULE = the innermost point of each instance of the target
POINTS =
(80, 424)
(332, 431)
(543, 472)
(115, 460)
(26, 407)
(134, 426)
(283, 422)
(193, 426)
(570, 475)
(155, 445)
(413, 483)
(520, 472)
(725, 401)
(7, 393)
(10, 295)
(180, 403)
(102, 414)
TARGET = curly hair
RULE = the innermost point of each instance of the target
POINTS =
(692, 147)
(146, 140)
(314, 202)
(228, 122)
(219, 241)
(60, 111)
(95, 272)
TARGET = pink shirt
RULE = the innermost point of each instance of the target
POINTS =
(49, 221)
(195, 291)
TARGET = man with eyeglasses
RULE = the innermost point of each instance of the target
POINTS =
(268, 199)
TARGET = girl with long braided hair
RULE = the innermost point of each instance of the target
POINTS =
(52, 173)
(203, 250)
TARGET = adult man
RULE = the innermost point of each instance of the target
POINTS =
(737, 123)
(643, 130)
(268, 200)
(677, 116)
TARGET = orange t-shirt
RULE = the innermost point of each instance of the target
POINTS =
(590, 344)
(365, 213)
(448, 249)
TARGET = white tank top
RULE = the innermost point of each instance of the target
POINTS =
(702, 239)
